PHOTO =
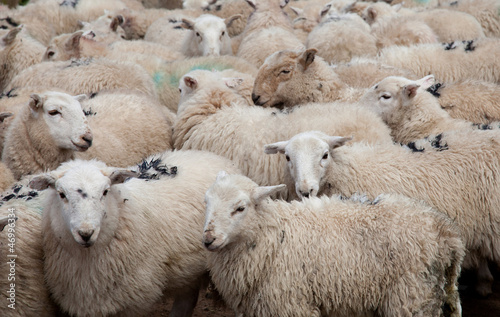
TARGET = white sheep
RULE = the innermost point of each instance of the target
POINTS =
(18, 51)
(115, 247)
(45, 133)
(267, 24)
(227, 8)
(455, 172)
(168, 29)
(126, 127)
(216, 118)
(450, 62)
(330, 256)
(135, 23)
(485, 11)
(208, 36)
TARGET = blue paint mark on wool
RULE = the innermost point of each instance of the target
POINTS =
(158, 78)
(422, 1)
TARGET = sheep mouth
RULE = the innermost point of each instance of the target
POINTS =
(81, 147)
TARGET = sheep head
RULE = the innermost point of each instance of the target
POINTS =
(63, 47)
(228, 202)
(81, 193)
(308, 156)
(280, 78)
(63, 116)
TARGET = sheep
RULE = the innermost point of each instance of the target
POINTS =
(85, 76)
(267, 24)
(410, 111)
(208, 36)
(450, 62)
(46, 132)
(455, 172)
(485, 11)
(168, 30)
(6, 176)
(341, 37)
(144, 127)
(18, 52)
(135, 23)
(20, 233)
(329, 257)
(215, 118)
(226, 8)
(288, 78)
(127, 242)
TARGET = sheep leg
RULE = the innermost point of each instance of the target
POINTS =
(184, 303)
(484, 280)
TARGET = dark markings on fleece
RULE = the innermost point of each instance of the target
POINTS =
(89, 112)
(67, 3)
(8, 94)
(436, 143)
(154, 169)
(434, 89)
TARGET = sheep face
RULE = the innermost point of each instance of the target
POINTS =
(229, 201)
(64, 118)
(391, 96)
(82, 198)
(63, 47)
(278, 81)
(308, 157)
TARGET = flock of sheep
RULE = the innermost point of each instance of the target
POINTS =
(312, 158)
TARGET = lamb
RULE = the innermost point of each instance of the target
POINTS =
(208, 36)
(143, 128)
(45, 133)
(267, 24)
(330, 256)
(410, 111)
(21, 223)
(450, 62)
(455, 172)
(18, 52)
(86, 76)
(139, 238)
(215, 118)
(339, 38)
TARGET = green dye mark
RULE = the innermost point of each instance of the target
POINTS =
(158, 78)
(421, 1)
(174, 79)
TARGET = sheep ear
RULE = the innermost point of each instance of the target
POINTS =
(372, 13)
(252, 3)
(42, 182)
(190, 82)
(325, 10)
(119, 176)
(220, 176)
(232, 82)
(74, 41)
(5, 221)
(81, 97)
(5, 115)
(262, 192)
(307, 57)
(426, 82)
(410, 91)
(187, 24)
(11, 36)
(36, 102)
(116, 22)
(297, 11)
(283, 3)
(337, 141)
(397, 6)
(278, 147)
(231, 19)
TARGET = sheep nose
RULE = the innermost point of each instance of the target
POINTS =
(87, 137)
(304, 194)
(86, 235)
(209, 239)
(255, 98)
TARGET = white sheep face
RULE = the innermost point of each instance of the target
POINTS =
(209, 36)
(64, 118)
(308, 156)
(228, 202)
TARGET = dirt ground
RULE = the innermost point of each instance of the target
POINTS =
(472, 306)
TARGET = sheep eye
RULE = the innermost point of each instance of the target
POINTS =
(240, 209)
(285, 71)
(197, 34)
(62, 195)
(104, 193)
(386, 96)
(287, 158)
(223, 32)
(54, 112)
(325, 156)
(50, 54)
(180, 90)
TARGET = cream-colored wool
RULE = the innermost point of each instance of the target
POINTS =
(226, 8)
(449, 62)
(168, 30)
(45, 132)
(267, 24)
(217, 119)
(86, 76)
(329, 256)
(32, 297)
(455, 172)
(136, 22)
(146, 242)
(18, 51)
(127, 127)
(485, 11)
(289, 78)
(342, 37)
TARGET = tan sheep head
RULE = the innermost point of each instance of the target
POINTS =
(228, 203)
(64, 47)
(279, 80)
